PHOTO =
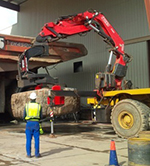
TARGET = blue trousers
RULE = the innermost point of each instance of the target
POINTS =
(32, 129)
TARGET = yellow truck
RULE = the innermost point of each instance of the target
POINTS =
(130, 110)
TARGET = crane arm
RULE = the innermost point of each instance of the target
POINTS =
(81, 23)
(85, 22)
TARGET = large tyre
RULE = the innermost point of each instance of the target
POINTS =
(129, 117)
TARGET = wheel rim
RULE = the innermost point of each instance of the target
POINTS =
(125, 120)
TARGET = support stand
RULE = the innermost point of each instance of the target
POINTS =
(52, 124)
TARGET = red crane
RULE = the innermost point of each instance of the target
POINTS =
(82, 23)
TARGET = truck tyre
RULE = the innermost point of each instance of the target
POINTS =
(129, 117)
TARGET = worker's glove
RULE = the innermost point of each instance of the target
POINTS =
(41, 130)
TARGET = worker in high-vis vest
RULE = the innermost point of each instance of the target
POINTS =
(32, 115)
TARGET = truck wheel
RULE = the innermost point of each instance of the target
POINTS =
(129, 117)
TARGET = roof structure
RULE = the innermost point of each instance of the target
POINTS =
(12, 4)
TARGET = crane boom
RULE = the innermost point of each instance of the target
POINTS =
(79, 24)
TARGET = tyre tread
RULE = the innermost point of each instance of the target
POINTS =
(144, 111)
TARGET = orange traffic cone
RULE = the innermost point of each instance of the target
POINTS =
(113, 161)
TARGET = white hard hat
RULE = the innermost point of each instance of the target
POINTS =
(33, 96)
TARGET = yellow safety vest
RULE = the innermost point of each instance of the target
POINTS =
(33, 111)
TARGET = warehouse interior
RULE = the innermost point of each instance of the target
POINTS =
(89, 71)
(129, 18)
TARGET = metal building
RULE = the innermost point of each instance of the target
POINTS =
(129, 19)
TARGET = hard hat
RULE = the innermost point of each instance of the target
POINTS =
(33, 96)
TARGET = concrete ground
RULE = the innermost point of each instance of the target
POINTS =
(75, 144)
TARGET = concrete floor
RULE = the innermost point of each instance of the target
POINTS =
(75, 144)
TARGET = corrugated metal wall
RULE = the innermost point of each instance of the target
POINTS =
(138, 67)
(127, 17)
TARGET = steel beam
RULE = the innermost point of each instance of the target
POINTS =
(10, 6)
(73, 93)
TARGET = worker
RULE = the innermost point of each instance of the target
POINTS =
(32, 115)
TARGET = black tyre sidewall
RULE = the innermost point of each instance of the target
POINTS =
(137, 120)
